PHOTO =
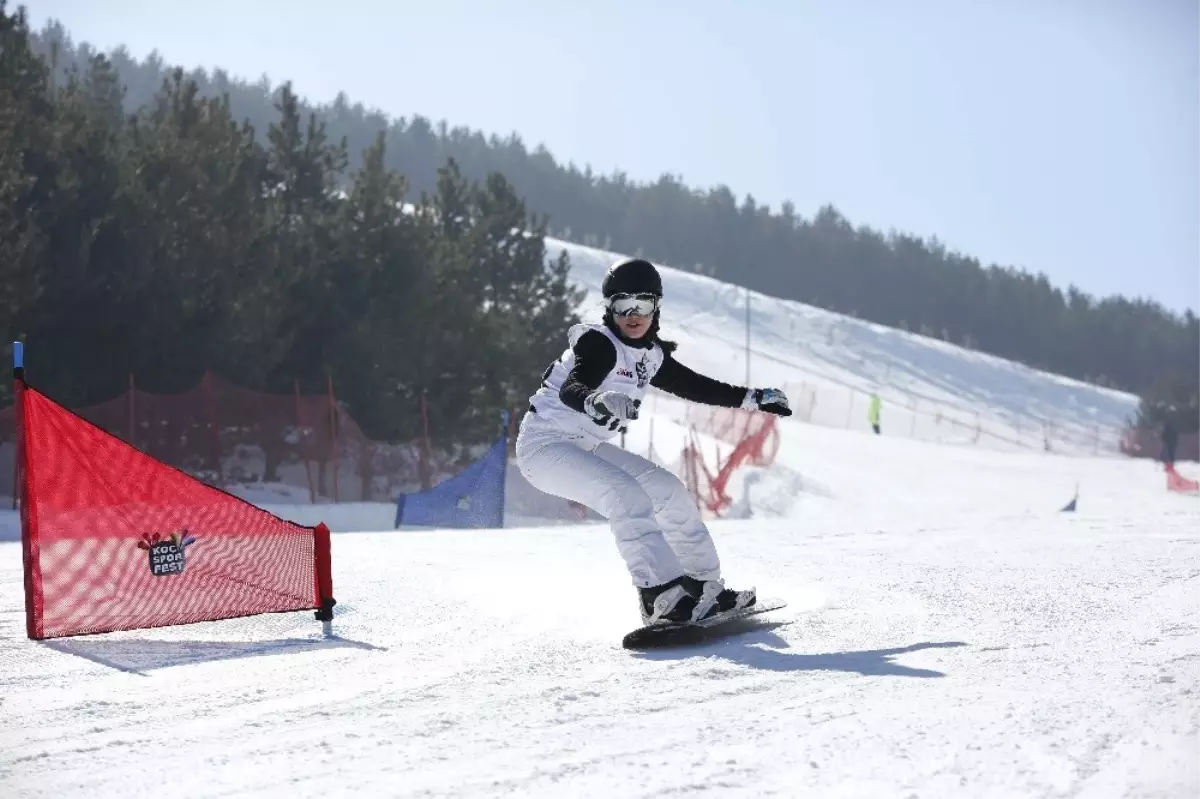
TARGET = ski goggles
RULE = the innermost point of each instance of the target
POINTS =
(633, 304)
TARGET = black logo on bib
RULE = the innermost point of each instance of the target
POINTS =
(643, 373)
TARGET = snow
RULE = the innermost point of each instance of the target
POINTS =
(949, 633)
(982, 645)
(838, 360)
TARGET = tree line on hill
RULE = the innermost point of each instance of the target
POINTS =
(180, 237)
(893, 278)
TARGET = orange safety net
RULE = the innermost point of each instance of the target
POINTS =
(754, 439)
(1179, 483)
(1141, 443)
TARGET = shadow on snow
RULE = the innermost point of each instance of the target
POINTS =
(139, 656)
(760, 648)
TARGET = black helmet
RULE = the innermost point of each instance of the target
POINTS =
(632, 276)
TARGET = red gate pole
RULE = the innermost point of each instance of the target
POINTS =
(334, 457)
(132, 411)
(212, 420)
(312, 492)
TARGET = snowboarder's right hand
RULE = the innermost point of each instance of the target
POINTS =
(605, 405)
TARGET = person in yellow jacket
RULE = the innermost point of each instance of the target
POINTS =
(873, 413)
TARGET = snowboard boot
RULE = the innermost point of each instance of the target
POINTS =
(688, 599)
(713, 598)
(669, 602)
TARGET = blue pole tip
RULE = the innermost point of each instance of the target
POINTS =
(18, 355)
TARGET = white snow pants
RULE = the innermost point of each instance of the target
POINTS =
(659, 532)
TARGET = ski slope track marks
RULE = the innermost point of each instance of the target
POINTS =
(945, 657)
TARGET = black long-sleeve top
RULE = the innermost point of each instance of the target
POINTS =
(596, 356)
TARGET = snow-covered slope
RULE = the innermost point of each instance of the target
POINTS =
(950, 633)
(838, 361)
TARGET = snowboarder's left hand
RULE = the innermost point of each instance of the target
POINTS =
(770, 400)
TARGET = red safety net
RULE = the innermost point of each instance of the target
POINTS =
(117, 540)
(755, 442)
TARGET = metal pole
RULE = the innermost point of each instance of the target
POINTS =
(747, 336)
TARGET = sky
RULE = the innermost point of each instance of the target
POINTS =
(1055, 136)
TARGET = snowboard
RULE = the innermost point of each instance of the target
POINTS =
(686, 632)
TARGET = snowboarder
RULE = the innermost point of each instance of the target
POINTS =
(587, 397)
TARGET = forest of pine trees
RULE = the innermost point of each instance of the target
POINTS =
(181, 237)
(893, 278)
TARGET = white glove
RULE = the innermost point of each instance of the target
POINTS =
(605, 405)
(771, 400)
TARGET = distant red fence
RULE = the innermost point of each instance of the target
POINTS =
(303, 445)
(1149, 444)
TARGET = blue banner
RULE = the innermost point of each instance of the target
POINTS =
(472, 498)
